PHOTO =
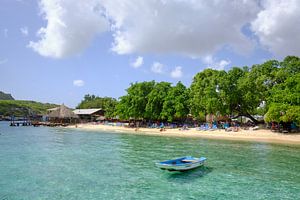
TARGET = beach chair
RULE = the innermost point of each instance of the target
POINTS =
(215, 127)
(201, 128)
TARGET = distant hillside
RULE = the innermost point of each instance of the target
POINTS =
(23, 108)
(4, 96)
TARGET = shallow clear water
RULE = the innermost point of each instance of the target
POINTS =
(56, 163)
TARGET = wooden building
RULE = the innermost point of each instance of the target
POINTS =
(89, 115)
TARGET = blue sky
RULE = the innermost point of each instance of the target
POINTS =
(90, 47)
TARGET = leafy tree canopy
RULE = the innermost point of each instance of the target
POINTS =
(271, 88)
(176, 103)
(106, 103)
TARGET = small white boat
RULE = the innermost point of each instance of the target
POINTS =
(181, 164)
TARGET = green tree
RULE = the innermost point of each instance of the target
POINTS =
(205, 93)
(108, 104)
(231, 90)
(156, 100)
(284, 101)
(239, 92)
(290, 66)
(287, 92)
(176, 103)
(253, 88)
(133, 104)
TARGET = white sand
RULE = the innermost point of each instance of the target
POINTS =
(244, 135)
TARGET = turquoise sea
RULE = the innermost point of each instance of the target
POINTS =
(59, 163)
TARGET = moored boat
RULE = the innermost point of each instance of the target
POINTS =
(181, 164)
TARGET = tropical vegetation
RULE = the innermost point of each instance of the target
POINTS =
(271, 89)
(22, 108)
(106, 103)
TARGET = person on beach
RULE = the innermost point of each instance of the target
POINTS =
(226, 126)
(137, 125)
(162, 127)
(184, 128)
(235, 127)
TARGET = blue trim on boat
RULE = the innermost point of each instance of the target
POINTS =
(182, 163)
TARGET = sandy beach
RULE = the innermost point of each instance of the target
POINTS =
(261, 135)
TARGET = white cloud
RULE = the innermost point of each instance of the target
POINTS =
(189, 27)
(24, 31)
(208, 59)
(278, 26)
(78, 83)
(157, 68)
(177, 72)
(223, 63)
(3, 61)
(71, 25)
(214, 64)
(186, 27)
(138, 62)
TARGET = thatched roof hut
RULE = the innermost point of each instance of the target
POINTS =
(63, 113)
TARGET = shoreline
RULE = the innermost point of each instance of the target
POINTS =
(261, 135)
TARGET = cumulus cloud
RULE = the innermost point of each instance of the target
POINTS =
(78, 83)
(278, 26)
(185, 27)
(214, 64)
(177, 72)
(157, 68)
(71, 25)
(138, 62)
(24, 31)
(189, 27)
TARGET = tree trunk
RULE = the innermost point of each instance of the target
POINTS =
(247, 115)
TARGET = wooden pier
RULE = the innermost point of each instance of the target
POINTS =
(18, 123)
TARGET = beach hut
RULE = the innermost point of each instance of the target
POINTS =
(90, 115)
(63, 115)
